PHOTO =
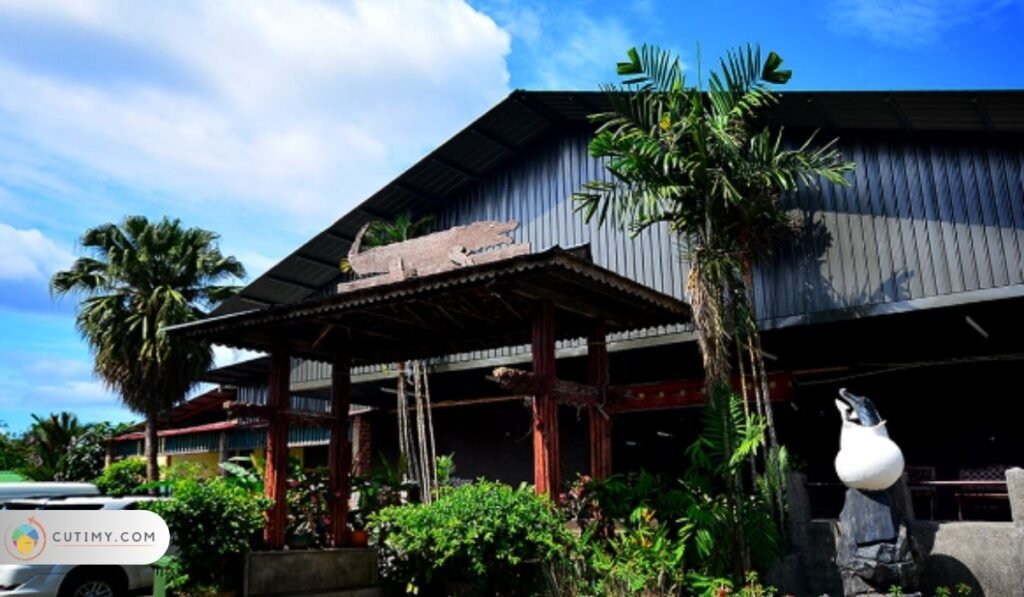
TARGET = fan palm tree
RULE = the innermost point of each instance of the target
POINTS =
(138, 278)
(700, 160)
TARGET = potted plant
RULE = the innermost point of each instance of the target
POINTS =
(359, 537)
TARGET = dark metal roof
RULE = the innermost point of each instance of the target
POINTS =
(239, 374)
(472, 308)
(512, 127)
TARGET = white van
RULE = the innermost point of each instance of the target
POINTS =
(44, 489)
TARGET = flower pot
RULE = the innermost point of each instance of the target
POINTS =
(359, 538)
(300, 540)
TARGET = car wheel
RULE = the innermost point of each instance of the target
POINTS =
(92, 583)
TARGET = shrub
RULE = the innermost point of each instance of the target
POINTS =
(122, 477)
(212, 524)
(485, 534)
(186, 471)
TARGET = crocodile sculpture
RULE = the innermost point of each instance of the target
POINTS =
(461, 246)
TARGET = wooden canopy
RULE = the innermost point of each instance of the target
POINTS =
(534, 298)
(472, 308)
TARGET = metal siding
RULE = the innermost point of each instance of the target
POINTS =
(191, 443)
(920, 218)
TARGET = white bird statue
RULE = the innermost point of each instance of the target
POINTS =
(867, 458)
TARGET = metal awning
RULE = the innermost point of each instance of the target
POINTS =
(473, 308)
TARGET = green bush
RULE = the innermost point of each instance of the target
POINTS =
(486, 538)
(213, 523)
(122, 477)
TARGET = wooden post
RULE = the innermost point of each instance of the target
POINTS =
(276, 477)
(339, 460)
(546, 473)
(600, 424)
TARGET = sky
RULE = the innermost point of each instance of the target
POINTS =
(265, 121)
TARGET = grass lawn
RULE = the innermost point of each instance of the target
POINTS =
(10, 477)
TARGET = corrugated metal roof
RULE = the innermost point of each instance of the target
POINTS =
(510, 128)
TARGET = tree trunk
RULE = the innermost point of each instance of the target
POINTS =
(152, 446)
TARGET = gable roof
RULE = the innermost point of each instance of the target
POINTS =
(521, 120)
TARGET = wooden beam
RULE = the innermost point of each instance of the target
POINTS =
(456, 168)
(499, 143)
(326, 331)
(332, 265)
(414, 191)
(255, 301)
(276, 475)
(565, 302)
(560, 390)
(546, 461)
(684, 394)
(336, 236)
(599, 423)
(339, 451)
(373, 214)
(294, 283)
(289, 416)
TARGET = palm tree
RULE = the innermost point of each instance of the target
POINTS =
(700, 160)
(379, 233)
(138, 278)
(48, 440)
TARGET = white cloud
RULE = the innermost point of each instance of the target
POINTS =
(224, 356)
(562, 46)
(29, 255)
(911, 22)
(300, 107)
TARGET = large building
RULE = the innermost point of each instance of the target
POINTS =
(906, 285)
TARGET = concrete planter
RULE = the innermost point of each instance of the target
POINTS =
(313, 571)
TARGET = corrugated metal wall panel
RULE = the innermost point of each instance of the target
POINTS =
(920, 218)
(918, 221)
(191, 443)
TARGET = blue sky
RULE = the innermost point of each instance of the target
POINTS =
(266, 121)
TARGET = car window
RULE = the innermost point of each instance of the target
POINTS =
(73, 507)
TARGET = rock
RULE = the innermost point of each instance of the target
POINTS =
(874, 549)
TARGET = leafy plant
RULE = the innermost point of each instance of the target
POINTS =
(308, 515)
(445, 468)
(645, 557)
(245, 472)
(727, 523)
(962, 590)
(213, 523)
(86, 454)
(123, 477)
(483, 533)
(381, 487)
(186, 471)
(380, 233)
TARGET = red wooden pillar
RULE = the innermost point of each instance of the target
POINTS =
(339, 460)
(546, 473)
(600, 424)
(276, 476)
